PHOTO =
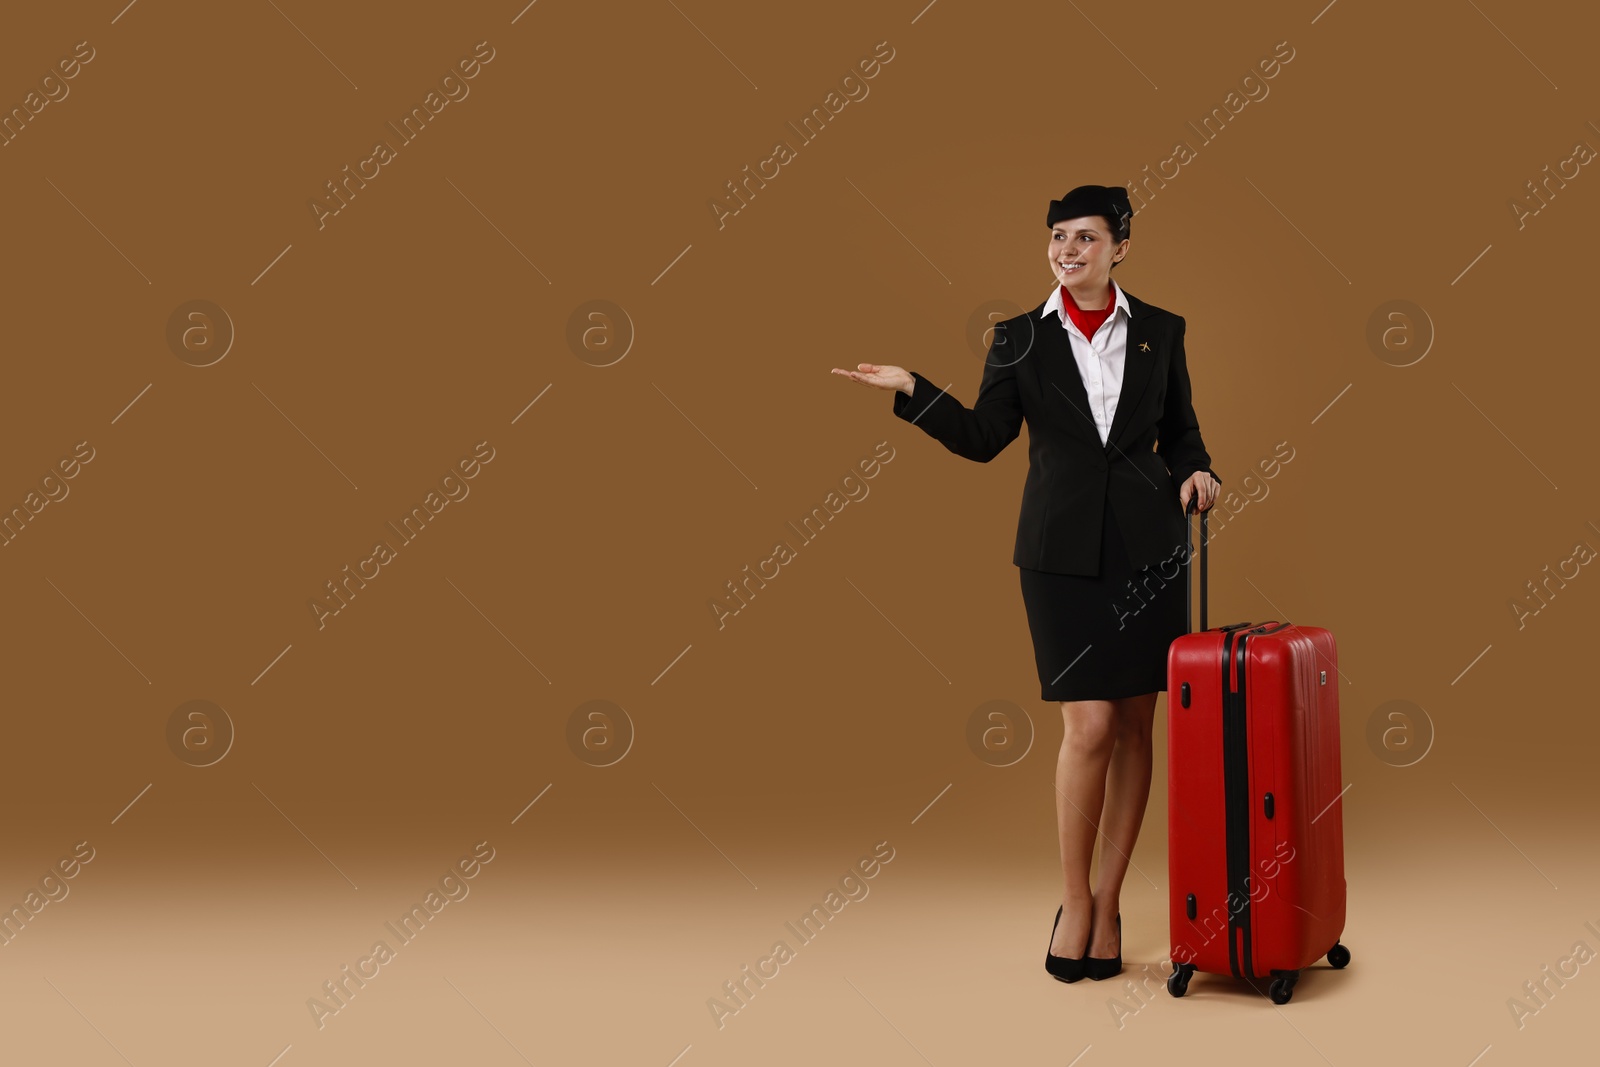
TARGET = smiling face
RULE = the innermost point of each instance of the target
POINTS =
(1081, 254)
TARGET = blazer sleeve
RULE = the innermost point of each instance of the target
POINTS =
(994, 420)
(1178, 441)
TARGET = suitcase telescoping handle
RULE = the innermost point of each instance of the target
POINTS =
(1205, 541)
(1188, 559)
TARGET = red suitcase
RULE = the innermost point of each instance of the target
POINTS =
(1255, 852)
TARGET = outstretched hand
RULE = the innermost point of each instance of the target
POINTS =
(1200, 487)
(880, 377)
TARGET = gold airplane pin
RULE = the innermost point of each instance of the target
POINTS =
(1144, 346)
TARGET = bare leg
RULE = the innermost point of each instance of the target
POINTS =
(1088, 739)
(1126, 795)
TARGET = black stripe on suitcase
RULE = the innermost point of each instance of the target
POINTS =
(1236, 785)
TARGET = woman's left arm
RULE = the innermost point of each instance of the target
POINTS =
(1178, 440)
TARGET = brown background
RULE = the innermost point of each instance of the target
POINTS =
(768, 756)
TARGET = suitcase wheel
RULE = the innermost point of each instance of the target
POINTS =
(1282, 988)
(1178, 980)
(1338, 956)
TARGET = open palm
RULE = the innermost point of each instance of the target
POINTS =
(879, 377)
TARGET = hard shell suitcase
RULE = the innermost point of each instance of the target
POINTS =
(1255, 852)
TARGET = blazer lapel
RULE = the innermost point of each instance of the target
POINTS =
(1062, 382)
(1136, 368)
(1059, 377)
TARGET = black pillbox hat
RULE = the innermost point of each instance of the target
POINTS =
(1108, 200)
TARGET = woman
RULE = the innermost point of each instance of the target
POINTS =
(1115, 459)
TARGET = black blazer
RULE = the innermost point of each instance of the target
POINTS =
(1030, 375)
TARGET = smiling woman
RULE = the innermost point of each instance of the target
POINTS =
(1115, 458)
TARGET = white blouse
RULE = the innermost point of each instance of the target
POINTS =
(1100, 358)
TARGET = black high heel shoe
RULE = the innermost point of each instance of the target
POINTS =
(1062, 968)
(1099, 968)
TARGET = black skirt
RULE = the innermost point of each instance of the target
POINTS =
(1105, 637)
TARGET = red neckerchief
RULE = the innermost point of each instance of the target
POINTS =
(1088, 321)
